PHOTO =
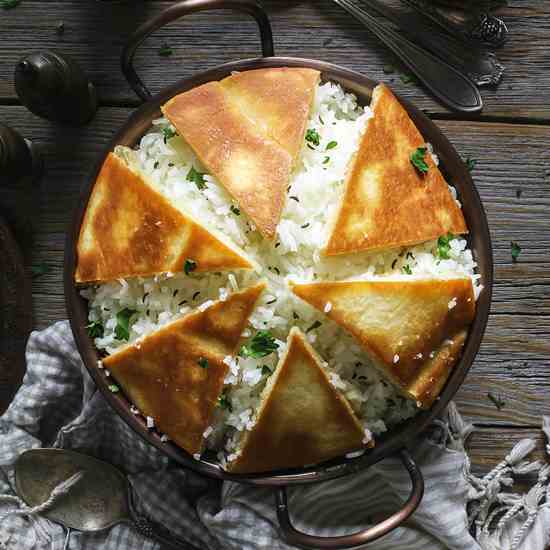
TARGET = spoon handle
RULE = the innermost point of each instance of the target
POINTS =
(160, 534)
(450, 86)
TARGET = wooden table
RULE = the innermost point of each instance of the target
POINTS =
(510, 141)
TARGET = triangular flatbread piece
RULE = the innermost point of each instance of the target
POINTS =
(407, 326)
(129, 229)
(278, 100)
(253, 168)
(176, 374)
(387, 203)
(302, 420)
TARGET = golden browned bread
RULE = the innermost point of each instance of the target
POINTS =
(278, 100)
(248, 131)
(129, 229)
(302, 419)
(387, 203)
(414, 330)
(175, 375)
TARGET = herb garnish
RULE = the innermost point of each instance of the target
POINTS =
(197, 178)
(444, 246)
(235, 210)
(203, 363)
(9, 4)
(165, 50)
(315, 325)
(321, 120)
(39, 269)
(122, 329)
(394, 263)
(516, 250)
(95, 329)
(224, 403)
(266, 371)
(114, 388)
(271, 302)
(262, 344)
(331, 145)
(418, 161)
(189, 265)
(407, 269)
(295, 315)
(294, 198)
(312, 136)
(168, 133)
(196, 294)
(305, 226)
(327, 160)
(470, 163)
(498, 402)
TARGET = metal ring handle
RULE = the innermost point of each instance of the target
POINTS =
(303, 540)
(175, 11)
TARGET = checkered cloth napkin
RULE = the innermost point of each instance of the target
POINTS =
(58, 406)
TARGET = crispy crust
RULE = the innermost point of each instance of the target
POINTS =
(129, 230)
(278, 100)
(303, 419)
(253, 168)
(407, 319)
(386, 202)
(161, 374)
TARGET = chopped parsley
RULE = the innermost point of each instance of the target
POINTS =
(95, 329)
(418, 160)
(165, 50)
(262, 344)
(196, 294)
(498, 402)
(38, 270)
(394, 263)
(157, 163)
(409, 255)
(315, 325)
(444, 246)
(327, 160)
(516, 251)
(295, 315)
(331, 145)
(313, 137)
(271, 302)
(470, 163)
(168, 133)
(203, 363)
(235, 210)
(266, 371)
(114, 388)
(189, 265)
(224, 403)
(122, 329)
(305, 226)
(294, 198)
(197, 178)
(9, 4)
(407, 269)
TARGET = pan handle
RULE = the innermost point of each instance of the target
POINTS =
(179, 9)
(303, 540)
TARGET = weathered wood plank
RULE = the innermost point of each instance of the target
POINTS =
(513, 361)
(95, 32)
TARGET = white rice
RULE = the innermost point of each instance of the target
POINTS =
(317, 185)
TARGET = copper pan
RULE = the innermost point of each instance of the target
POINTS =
(393, 443)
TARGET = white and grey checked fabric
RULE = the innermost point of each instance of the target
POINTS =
(59, 406)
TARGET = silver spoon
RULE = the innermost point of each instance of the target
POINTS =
(453, 88)
(97, 495)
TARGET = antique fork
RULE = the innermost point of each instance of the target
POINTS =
(449, 85)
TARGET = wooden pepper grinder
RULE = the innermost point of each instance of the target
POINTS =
(53, 86)
(19, 158)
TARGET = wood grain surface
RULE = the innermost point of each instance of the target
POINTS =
(510, 141)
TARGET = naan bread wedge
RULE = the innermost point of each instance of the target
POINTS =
(253, 168)
(302, 419)
(129, 230)
(176, 374)
(278, 100)
(387, 203)
(414, 330)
